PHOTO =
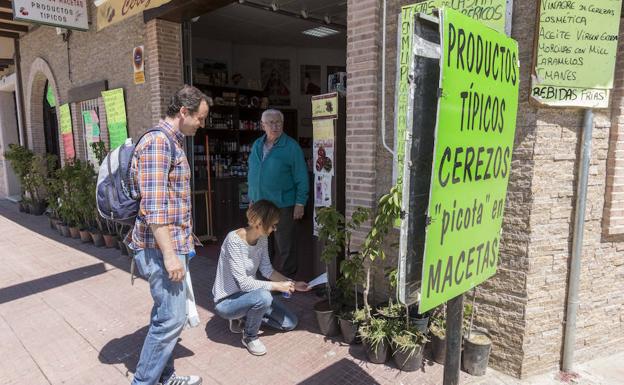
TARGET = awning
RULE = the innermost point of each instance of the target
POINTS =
(113, 11)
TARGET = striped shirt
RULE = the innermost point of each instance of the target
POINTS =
(238, 264)
(165, 190)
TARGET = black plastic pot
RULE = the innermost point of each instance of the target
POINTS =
(349, 330)
(421, 324)
(408, 361)
(327, 320)
(21, 207)
(476, 353)
(379, 354)
(438, 349)
(37, 208)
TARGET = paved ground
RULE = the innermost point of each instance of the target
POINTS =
(68, 315)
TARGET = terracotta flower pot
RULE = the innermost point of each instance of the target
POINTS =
(85, 237)
(109, 241)
(75, 232)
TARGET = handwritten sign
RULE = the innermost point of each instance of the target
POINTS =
(576, 52)
(66, 131)
(116, 117)
(474, 139)
(491, 12)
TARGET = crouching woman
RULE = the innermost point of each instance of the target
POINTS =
(238, 294)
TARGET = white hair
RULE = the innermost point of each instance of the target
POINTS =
(272, 112)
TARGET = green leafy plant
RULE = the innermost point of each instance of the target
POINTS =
(331, 234)
(388, 209)
(407, 340)
(375, 331)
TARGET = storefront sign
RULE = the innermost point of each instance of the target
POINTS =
(116, 117)
(70, 14)
(325, 106)
(66, 131)
(491, 12)
(576, 52)
(138, 63)
(114, 11)
(475, 131)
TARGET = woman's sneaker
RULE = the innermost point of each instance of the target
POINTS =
(255, 346)
(183, 380)
(237, 325)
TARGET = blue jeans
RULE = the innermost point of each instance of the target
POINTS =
(259, 307)
(167, 319)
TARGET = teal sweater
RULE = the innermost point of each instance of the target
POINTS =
(282, 177)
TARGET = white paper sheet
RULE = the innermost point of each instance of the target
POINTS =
(318, 280)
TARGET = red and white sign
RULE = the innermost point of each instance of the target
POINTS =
(70, 14)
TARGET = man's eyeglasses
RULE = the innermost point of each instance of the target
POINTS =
(274, 123)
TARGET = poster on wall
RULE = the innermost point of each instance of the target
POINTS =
(138, 63)
(466, 208)
(91, 134)
(62, 14)
(323, 146)
(115, 117)
(310, 76)
(322, 190)
(576, 53)
(67, 134)
(210, 72)
(275, 76)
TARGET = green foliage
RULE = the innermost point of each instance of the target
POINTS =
(375, 331)
(407, 340)
(31, 169)
(99, 150)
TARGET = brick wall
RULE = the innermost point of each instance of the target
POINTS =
(164, 51)
(93, 56)
(524, 304)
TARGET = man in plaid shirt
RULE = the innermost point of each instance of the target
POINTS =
(163, 236)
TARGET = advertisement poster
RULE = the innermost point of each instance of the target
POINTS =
(67, 132)
(474, 139)
(92, 133)
(116, 117)
(138, 63)
(322, 191)
(275, 76)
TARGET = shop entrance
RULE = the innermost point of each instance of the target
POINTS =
(250, 56)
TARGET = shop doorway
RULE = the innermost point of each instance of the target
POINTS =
(50, 123)
(250, 56)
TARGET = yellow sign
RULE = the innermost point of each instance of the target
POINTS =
(113, 11)
(138, 63)
(576, 52)
(325, 106)
(323, 129)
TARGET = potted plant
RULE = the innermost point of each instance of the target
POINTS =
(477, 344)
(374, 334)
(20, 159)
(331, 234)
(407, 346)
(352, 275)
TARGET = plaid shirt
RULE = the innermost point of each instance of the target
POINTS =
(165, 199)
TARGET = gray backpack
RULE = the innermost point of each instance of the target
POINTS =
(114, 200)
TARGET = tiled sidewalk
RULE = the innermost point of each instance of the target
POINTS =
(68, 315)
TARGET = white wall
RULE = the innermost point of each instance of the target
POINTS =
(9, 184)
(245, 59)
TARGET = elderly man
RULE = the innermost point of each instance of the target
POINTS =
(278, 173)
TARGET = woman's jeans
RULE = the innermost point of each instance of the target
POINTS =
(167, 319)
(259, 307)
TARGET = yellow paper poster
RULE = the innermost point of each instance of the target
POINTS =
(323, 129)
(325, 106)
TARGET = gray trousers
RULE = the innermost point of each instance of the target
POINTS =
(282, 249)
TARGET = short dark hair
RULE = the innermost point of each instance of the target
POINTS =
(187, 96)
(264, 213)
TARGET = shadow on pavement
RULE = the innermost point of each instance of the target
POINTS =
(342, 372)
